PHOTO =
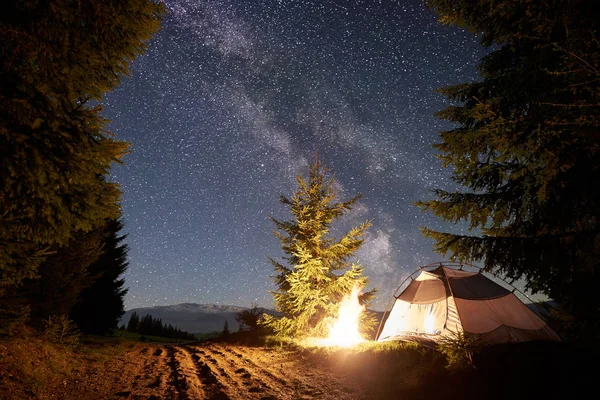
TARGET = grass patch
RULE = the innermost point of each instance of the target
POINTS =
(273, 341)
(29, 365)
(132, 336)
(368, 346)
(207, 336)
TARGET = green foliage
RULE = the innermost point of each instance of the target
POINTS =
(134, 322)
(249, 318)
(58, 59)
(103, 298)
(391, 346)
(459, 349)
(280, 341)
(62, 277)
(526, 147)
(150, 326)
(368, 325)
(316, 272)
(14, 313)
(225, 332)
(61, 330)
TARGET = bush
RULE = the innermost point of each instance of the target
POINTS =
(61, 330)
(459, 349)
(249, 318)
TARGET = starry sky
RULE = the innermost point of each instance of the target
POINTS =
(234, 97)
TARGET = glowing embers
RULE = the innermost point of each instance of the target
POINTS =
(344, 330)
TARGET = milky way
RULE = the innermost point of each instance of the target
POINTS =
(234, 98)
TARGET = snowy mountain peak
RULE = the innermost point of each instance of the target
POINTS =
(192, 317)
(204, 308)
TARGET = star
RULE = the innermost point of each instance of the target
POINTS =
(233, 98)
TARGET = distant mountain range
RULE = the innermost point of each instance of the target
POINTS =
(194, 318)
(206, 318)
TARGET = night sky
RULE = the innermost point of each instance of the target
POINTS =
(234, 97)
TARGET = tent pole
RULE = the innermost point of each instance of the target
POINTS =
(451, 294)
(514, 288)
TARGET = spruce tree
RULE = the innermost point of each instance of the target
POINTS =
(316, 272)
(100, 305)
(146, 324)
(225, 332)
(62, 277)
(525, 148)
(58, 59)
(134, 322)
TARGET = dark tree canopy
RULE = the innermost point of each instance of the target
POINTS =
(148, 325)
(62, 276)
(57, 60)
(316, 273)
(249, 318)
(134, 322)
(526, 148)
(100, 305)
(225, 331)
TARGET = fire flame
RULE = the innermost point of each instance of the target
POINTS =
(344, 330)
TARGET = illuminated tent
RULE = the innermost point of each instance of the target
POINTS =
(446, 300)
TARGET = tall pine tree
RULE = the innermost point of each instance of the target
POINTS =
(134, 322)
(58, 59)
(62, 277)
(100, 305)
(526, 146)
(317, 272)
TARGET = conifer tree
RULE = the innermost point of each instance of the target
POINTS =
(100, 305)
(134, 322)
(249, 318)
(316, 272)
(62, 277)
(225, 331)
(526, 147)
(146, 325)
(58, 59)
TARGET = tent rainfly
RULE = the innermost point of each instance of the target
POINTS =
(445, 300)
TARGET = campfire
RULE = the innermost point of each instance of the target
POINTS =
(343, 331)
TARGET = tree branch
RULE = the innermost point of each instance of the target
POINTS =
(570, 105)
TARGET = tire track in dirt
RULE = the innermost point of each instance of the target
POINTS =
(298, 386)
(212, 386)
(309, 381)
(221, 376)
(236, 358)
(188, 370)
(177, 383)
(186, 381)
(249, 383)
(152, 377)
(144, 376)
(282, 385)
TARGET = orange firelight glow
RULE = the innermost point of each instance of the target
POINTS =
(344, 330)
(430, 323)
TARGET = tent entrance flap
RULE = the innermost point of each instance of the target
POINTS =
(415, 319)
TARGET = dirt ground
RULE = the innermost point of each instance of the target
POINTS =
(205, 370)
(220, 371)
